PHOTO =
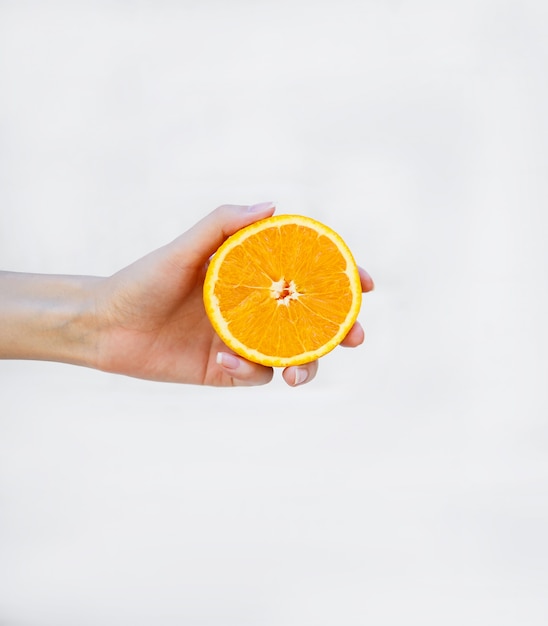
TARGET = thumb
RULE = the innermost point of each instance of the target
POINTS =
(195, 246)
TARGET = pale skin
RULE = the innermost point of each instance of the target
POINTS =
(147, 320)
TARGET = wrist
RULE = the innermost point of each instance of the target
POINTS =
(49, 318)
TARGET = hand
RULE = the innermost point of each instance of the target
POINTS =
(152, 319)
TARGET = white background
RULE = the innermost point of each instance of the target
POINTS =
(406, 485)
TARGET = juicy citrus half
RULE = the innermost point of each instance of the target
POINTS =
(283, 291)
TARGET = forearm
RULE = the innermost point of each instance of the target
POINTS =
(45, 317)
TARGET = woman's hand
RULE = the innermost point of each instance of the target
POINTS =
(146, 321)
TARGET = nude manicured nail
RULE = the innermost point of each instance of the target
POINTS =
(301, 375)
(227, 360)
(259, 208)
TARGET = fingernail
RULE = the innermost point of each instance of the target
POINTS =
(227, 360)
(301, 375)
(259, 208)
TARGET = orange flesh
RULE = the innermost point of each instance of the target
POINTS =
(284, 291)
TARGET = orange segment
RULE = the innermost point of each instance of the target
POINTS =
(283, 291)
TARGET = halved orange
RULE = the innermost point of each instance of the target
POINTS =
(283, 291)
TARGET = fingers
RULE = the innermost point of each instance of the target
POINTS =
(300, 374)
(355, 337)
(366, 280)
(202, 240)
(242, 372)
(245, 373)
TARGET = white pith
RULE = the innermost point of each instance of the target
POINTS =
(279, 287)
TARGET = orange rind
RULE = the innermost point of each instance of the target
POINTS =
(283, 291)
